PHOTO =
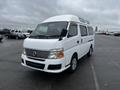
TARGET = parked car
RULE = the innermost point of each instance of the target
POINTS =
(21, 35)
(16, 34)
(26, 34)
(29, 31)
(58, 43)
(1, 38)
(117, 34)
(5, 31)
(111, 33)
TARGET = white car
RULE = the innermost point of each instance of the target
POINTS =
(26, 34)
(58, 43)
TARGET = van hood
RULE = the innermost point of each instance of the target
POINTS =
(42, 44)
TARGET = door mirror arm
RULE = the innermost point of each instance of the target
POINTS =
(63, 34)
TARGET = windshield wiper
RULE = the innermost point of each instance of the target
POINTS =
(44, 36)
(52, 36)
(37, 36)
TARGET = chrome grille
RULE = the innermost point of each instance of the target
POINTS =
(37, 53)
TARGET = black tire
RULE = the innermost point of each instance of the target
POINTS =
(0, 40)
(17, 37)
(73, 64)
(90, 52)
(7, 37)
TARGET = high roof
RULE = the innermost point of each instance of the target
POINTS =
(64, 18)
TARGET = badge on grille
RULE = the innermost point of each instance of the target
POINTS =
(34, 53)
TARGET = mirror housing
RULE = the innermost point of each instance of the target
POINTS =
(63, 34)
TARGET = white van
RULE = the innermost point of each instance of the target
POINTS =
(58, 43)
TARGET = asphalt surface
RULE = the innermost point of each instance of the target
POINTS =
(99, 72)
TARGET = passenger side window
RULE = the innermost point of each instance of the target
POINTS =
(83, 30)
(73, 31)
(90, 30)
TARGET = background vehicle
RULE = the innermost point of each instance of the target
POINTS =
(29, 31)
(1, 37)
(117, 34)
(26, 34)
(58, 43)
(16, 35)
(5, 32)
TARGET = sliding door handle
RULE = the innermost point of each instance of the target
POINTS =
(77, 42)
(81, 40)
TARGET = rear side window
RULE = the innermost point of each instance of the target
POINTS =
(73, 31)
(83, 30)
(90, 31)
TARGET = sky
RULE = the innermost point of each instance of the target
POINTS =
(105, 13)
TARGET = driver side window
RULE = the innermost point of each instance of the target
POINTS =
(73, 31)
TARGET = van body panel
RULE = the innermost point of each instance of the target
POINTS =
(42, 44)
(46, 63)
(62, 18)
(70, 47)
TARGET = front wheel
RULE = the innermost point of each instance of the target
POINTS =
(73, 64)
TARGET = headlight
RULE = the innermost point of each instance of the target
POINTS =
(56, 54)
(24, 52)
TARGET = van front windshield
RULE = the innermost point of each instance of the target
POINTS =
(49, 30)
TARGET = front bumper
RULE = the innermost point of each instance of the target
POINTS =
(48, 65)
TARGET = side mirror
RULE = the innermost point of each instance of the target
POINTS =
(63, 34)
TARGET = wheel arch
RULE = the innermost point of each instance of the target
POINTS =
(75, 54)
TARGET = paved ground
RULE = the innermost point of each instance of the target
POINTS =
(100, 72)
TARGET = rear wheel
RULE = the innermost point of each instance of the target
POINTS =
(73, 64)
(90, 52)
